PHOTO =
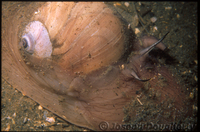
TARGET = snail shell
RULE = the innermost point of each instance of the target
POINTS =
(81, 37)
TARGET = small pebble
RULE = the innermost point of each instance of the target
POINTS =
(129, 25)
(13, 121)
(191, 95)
(28, 63)
(184, 72)
(137, 30)
(195, 78)
(14, 115)
(168, 8)
(40, 107)
(153, 19)
(122, 66)
(16, 91)
(50, 119)
(155, 28)
(178, 16)
(37, 12)
(8, 127)
(195, 107)
(117, 4)
(126, 4)
(8, 117)
(25, 120)
(196, 61)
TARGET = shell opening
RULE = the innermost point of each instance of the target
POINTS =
(28, 43)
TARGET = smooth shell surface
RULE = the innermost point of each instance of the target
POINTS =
(99, 94)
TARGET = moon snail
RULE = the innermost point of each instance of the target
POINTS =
(81, 66)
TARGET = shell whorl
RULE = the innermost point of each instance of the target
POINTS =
(36, 40)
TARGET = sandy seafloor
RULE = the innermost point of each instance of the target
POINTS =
(20, 113)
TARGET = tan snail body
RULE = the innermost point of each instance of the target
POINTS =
(85, 36)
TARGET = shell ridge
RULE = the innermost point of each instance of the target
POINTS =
(92, 22)
(84, 31)
(58, 50)
(48, 15)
